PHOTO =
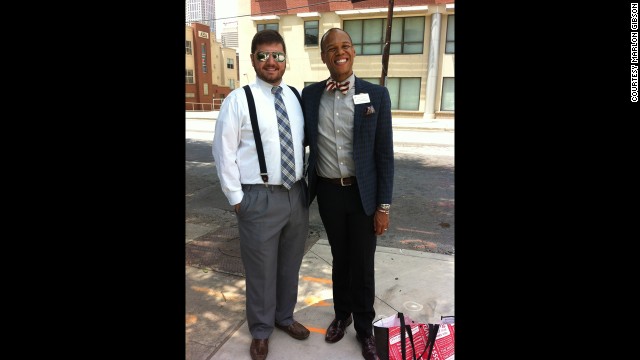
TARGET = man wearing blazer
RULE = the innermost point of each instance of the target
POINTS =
(350, 170)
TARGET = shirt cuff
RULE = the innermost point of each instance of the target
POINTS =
(235, 197)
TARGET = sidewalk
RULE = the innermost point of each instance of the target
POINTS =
(399, 122)
(419, 284)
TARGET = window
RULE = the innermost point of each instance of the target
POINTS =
(404, 92)
(407, 35)
(232, 84)
(368, 36)
(311, 33)
(206, 88)
(449, 47)
(187, 47)
(229, 63)
(188, 76)
(448, 100)
(268, 26)
(204, 58)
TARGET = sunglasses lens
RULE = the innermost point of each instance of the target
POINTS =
(264, 56)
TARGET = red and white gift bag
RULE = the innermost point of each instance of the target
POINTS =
(439, 346)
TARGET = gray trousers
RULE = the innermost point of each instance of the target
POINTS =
(273, 223)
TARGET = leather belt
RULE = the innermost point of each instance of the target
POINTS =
(347, 181)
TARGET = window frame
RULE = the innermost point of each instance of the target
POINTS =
(450, 42)
(317, 32)
(188, 73)
(396, 105)
(445, 97)
(403, 42)
(266, 26)
(362, 45)
(203, 47)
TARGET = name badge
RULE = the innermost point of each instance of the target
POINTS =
(361, 99)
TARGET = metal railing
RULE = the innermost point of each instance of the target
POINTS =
(194, 106)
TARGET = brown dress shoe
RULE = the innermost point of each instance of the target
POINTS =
(368, 347)
(259, 349)
(295, 330)
(336, 330)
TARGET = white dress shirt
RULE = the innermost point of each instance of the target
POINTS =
(234, 147)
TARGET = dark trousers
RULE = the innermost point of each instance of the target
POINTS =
(353, 246)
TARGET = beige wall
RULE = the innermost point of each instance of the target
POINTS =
(229, 74)
(216, 68)
(305, 65)
(246, 30)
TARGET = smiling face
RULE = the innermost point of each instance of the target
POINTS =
(338, 54)
(270, 71)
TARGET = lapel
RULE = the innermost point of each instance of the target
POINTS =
(315, 96)
(359, 109)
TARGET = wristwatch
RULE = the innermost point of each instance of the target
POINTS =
(384, 208)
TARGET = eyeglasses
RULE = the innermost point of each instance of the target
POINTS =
(264, 56)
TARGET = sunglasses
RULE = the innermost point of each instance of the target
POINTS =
(264, 56)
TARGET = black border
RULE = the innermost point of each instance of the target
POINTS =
(95, 125)
(127, 149)
(542, 108)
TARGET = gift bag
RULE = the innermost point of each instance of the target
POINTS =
(398, 337)
(417, 341)
(442, 347)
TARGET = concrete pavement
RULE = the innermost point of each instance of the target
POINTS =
(419, 284)
(399, 122)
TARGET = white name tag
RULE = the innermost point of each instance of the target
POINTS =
(361, 99)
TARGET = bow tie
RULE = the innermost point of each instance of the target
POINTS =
(332, 85)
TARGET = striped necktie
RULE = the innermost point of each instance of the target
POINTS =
(332, 85)
(286, 143)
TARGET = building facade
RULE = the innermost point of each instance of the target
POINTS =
(210, 69)
(201, 11)
(229, 35)
(420, 73)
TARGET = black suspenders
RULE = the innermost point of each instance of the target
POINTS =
(256, 130)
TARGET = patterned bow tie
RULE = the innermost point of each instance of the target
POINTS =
(332, 85)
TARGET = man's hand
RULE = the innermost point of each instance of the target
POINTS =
(380, 222)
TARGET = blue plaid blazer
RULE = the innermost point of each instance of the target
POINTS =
(372, 142)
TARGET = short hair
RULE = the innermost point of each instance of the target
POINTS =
(267, 36)
(327, 33)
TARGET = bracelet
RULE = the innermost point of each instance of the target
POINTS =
(384, 211)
